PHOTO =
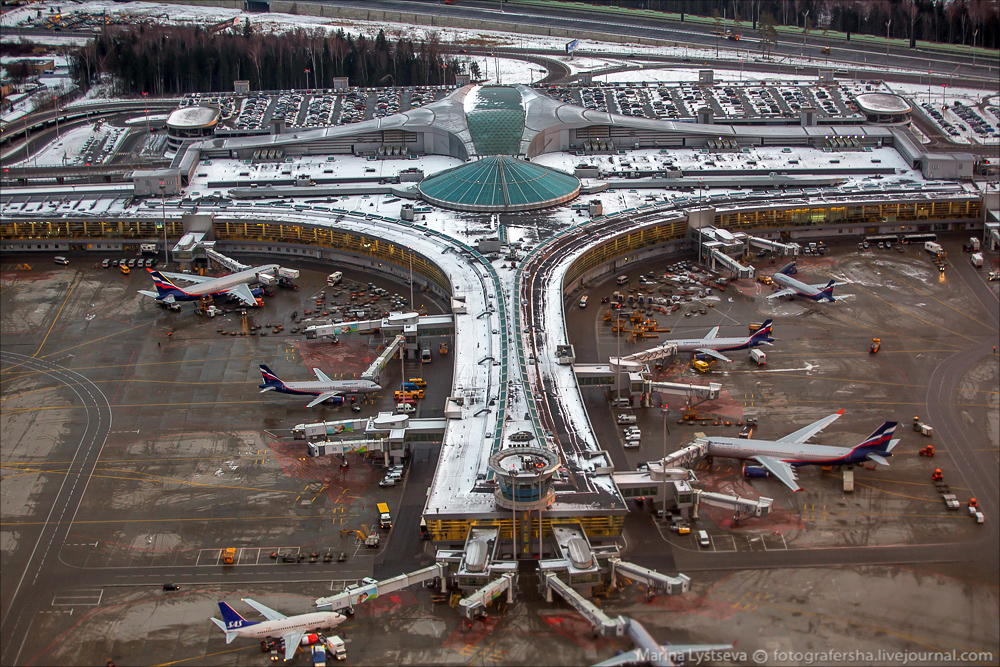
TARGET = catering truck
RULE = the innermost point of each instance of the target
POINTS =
(384, 518)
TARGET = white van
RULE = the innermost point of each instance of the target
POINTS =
(59, 259)
(703, 539)
(626, 419)
(621, 402)
(334, 278)
(758, 357)
(583, 301)
(405, 408)
(621, 280)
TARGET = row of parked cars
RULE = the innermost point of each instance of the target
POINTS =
(131, 263)
(393, 476)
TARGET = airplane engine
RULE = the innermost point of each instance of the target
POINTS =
(335, 400)
(310, 639)
(755, 472)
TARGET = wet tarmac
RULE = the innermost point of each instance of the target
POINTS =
(197, 460)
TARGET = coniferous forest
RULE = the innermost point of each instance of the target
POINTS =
(173, 60)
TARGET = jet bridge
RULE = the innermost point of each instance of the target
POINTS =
(633, 362)
(651, 578)
(709, 393)
(227, 262)
(370, 589)
(604, 624)
(684, 457)
(477, 601)
(744, 508)
(717, 257)
(782, 249)
(376, 367)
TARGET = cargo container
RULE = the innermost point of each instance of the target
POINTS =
(291, 274)
(977, 260)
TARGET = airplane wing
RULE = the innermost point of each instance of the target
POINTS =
(827, 284)
(321, 376)
(190, 277)
(267, 612)
(292, 640)
(673, 652)
(713, 333)
(244, 294)
(779, 469)
(782, 292)
(804, 434)
(713, 353)
(878, 459)
(154, 295)
(322, 397)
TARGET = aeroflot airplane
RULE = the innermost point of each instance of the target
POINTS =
(235, 284)
(781, 457)
(289, 628)
(712, 346)
(323, 388)
(795, 287)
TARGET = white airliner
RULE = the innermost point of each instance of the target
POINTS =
(793, 287)
(711, 345)
(289, 628)
(780, 457)
(323, 388)
(235, 284)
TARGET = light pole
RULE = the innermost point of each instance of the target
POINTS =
(412, 305)
(145, 99)
(663, 462)
(887, 24)
(805, 30)
(307, 77)
(163, 209)
(55, 102)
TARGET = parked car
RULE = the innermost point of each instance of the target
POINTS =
(171, 586)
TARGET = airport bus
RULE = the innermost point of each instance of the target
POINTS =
(882, 238)
(918, 238)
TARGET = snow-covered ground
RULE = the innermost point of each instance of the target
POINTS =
(660, 74)
(510, 70)
(73, 147)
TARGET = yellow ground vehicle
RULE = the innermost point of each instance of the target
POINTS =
(384, 519)
(124, 269)
(443, 348)
(699, 365)
(764, 279)
(420, 382)
(876, 344)
(228, 556)
(419, 393)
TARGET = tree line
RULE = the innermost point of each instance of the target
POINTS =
(173, 60)
(968, 22)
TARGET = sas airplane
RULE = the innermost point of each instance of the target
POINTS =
(781, 457)
(323, 388)
(235, 284)
(792, 287)
(289, 628)
(712, 346)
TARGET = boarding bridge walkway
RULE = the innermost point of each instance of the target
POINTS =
(783, 249)
(476, 601)
(662, 351)
(408, 323)
(717, 257)
(744, 508)
(227, 262)
(651, 578)
(373, 371)
(602, 623)
(369, 590)
(685, 457)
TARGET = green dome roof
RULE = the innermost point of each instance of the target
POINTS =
(499, 183)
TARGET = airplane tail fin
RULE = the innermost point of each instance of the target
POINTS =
(762, 335)
(789, 269)
(827, 292)
(271, 381)
(230, 634)
(880, 441)
(233, 620)
(163, 285)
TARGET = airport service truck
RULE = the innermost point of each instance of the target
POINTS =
(977, 260)
(335, 647)
(933, 248)
(384, 518)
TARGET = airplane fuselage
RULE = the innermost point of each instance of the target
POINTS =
(717, 344)
(317, 387)
(216, 287)
(800, 288)
(304, 622)
(794, 454)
